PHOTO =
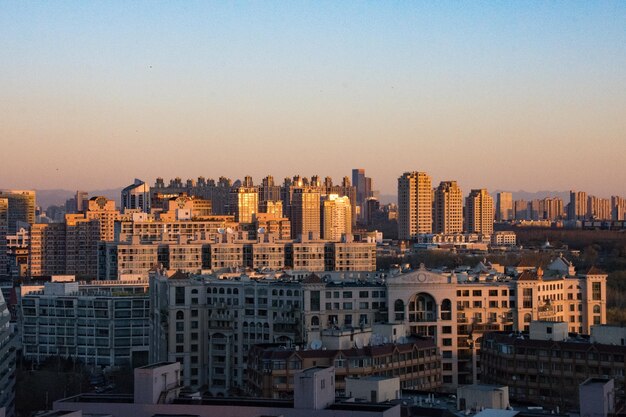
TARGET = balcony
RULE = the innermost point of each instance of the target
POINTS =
(422, 316)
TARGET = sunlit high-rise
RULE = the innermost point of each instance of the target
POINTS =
(504, 206)
(305, 212)
(415, 202)
(448, 208)
(479, 212)
(21, 208)
(577, 205)
(336, 217)
(244, 201)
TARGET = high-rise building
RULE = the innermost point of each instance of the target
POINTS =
(136, 196)
(305, 212)
(102, 209)
(82, 200)
(244, 201)
(577, 205)
(268, 190)
(618, 208)
(504, 206)
(479, 212)
(552, 208)
(358, 180)
(363, 187)
(415, 202)
(336, 217)
(598, 208)
(4, 229)
(7, 361)
(21, 208)
(448, 208)
(520, 207)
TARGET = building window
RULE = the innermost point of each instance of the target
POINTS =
(596, 291)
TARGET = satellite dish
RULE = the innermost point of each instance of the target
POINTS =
(221, 231)
(229, 230)
(316, 344)
(358, 343)
(261, 230)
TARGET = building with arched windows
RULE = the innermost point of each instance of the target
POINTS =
(212, 330)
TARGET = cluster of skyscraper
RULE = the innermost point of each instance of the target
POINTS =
(580, 207)
(424, 210)
(215, 225)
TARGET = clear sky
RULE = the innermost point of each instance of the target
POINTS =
(508, 95)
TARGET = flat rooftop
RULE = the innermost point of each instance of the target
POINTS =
(156, 365)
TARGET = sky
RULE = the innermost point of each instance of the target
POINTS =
(500, 95)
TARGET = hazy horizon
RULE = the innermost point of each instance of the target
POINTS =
(509, 96)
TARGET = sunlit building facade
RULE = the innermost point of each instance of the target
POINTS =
(415, 202)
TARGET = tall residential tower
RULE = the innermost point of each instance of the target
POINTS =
(415, 202)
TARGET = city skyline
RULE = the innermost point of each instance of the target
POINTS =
(497, 96)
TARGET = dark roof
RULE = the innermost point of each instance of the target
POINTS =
(274, 351)
(594, 271)
(414, 410)
(527, 276)
(582, 344)
(179, 275)
(312, 279)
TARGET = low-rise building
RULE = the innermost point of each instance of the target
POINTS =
(157, 393)
(547, 366)
(416, 364)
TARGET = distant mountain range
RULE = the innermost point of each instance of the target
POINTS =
(46, 198)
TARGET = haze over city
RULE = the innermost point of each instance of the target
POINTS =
(497, 95)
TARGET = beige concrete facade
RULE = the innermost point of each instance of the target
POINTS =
(415, 200)
(479, 212)
(448, 208)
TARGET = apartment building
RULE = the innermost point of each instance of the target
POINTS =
(454, 308)
(546, 365)
(20, 208)
(271, 367)
(208, 324)
(336, 217)
(479, 212)
(448, 208)
(102, 323)
(7, 361)
(415, 205)
(504, 206)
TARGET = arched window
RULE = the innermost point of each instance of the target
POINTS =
(422, 308)
(446, 309)
(221, 290)
(527, 318)
(180, 315)
(596, 309)
(315, 321)
(398, 308)
(235, 291)
(194, 291)
(229, 291)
